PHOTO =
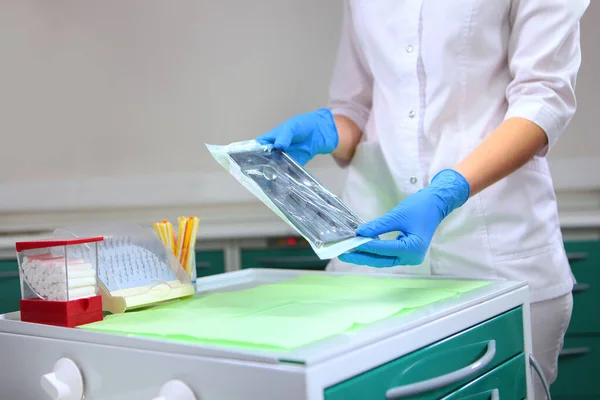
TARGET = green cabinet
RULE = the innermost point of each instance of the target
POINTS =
(10, 289)
(294, 258)
(584, 258)
(209, 262)
(578, 361)
(578, 368)
(441, 358)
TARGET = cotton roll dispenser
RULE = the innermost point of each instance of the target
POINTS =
(59, 281)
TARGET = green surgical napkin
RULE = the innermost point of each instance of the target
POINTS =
(285, 315)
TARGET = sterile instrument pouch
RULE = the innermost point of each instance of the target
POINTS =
(294, 195)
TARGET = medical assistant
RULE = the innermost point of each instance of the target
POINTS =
(426, 81)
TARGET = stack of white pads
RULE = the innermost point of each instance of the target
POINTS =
(47, 275)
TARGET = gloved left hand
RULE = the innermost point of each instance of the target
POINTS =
(416, 218)
(305, 135)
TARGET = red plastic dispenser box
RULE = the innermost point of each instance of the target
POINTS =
(59, 281)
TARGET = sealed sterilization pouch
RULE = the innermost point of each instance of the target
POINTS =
(294, 195)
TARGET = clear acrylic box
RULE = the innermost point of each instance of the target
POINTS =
(57, 269)
(59, 281)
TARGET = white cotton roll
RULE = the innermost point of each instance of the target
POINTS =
(82, 274)
(57, 296)
(48, 277)
(81, 282)
(51, 263)
(80, 267)
(77, 269)
(81, 292)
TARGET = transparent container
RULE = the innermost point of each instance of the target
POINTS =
(59, 269)
(190, 268)
(135, 269)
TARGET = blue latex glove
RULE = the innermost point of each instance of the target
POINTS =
(304, 136)
(416, 218)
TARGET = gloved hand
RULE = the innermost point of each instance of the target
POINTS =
(417, 218)
(304, 136)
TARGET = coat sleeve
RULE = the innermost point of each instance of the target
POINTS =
(350, 92)
(544, 57)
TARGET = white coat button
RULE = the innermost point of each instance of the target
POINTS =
(411, 114)
(64, 382)
(409, 49)
(413, 179)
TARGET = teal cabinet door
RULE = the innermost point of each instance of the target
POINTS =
(578, 369)
(282, 258)
(439, 359)
(10, 289)
(578, 362)
(209, 262)
(585, 263)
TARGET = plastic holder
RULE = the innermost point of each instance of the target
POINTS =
(59, 281)
(135, 269)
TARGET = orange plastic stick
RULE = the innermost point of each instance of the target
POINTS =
(186, 243)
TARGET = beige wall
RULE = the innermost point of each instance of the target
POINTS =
(146, 80)
(583, 136)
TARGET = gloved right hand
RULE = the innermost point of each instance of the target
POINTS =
(304, 136)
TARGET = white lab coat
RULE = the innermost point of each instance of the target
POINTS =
(427, 80)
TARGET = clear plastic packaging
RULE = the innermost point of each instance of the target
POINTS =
(58, 269)
(294, 195)
(135, 269)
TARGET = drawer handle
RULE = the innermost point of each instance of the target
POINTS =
(581, 287)
(9, 275)
(577, 256)
(487, 395)
(577, 351)
(444, 380)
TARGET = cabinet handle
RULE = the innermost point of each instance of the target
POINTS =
(203, 265)
(576, 351)
(444, 380)
(9, 275)
(577, 256)
(581, 287)
(487, 395)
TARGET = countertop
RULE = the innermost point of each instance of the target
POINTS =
(242, 222)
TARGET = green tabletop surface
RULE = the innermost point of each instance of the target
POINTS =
(285, 315)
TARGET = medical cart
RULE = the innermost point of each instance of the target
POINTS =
(473, 346)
